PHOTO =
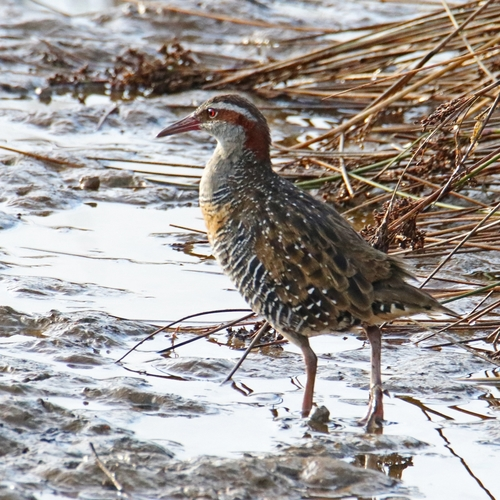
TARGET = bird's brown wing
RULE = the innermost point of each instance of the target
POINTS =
(320, 268)
(315, 264)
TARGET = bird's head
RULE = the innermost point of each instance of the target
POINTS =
(234, 121)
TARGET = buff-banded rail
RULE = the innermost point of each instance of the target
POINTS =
(296, 261)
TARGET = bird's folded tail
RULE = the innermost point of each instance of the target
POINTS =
(394, 301)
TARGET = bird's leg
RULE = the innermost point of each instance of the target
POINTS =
(375, 415)
(311, 362)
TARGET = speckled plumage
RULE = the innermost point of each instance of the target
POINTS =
(302, 267)
(295, 260)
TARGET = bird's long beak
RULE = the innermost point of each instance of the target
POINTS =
(184, 125)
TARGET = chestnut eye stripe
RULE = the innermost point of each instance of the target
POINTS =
(232, 109)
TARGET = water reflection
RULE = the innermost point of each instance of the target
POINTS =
(392, 464)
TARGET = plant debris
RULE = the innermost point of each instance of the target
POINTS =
(406, 236)
(139, 73)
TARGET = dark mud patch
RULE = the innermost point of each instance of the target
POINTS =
(62, 391)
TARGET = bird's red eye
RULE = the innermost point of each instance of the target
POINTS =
(211, 112)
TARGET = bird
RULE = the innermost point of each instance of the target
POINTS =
(295, 260)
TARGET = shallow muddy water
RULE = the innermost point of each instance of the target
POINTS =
(86, 274)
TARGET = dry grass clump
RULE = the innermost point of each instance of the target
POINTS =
(137, 73)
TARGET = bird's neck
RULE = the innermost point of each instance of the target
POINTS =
(232, 170)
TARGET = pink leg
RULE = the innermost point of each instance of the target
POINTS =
(311, 362)
(375, 415)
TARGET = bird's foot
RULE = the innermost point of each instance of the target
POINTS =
(373, 421)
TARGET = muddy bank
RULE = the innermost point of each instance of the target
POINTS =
(63, 391)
